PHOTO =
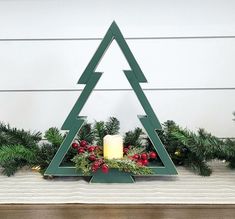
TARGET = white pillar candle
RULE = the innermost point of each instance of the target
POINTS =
(113, 146)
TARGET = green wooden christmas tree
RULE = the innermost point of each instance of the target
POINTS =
(74, 121)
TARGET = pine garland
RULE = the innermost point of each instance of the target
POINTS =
(14, 136)
(44, 155)
(18, 148)
(13, 157)
(193, 150)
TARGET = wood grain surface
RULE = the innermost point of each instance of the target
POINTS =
(91, 211)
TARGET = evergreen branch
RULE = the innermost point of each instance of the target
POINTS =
(112, 126)
(54, 136)
(44, 155)
(198, 166)
(86, 133)
(99, 132)
(82, 163)
(12, 152)
(127, 165)
(14, 136)
(133, 137)
(13, 157)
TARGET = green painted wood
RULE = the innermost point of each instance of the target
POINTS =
(169, 167)
(54, 167)
(143, 99)
(94, 78)
(74, 122)
(113, 176)
(112, 33)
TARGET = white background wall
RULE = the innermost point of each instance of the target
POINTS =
(184, 63)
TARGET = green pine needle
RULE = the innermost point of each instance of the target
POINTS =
(14, 136)
(54, 136)
(86, 133)
(101, 128)
(13, 157)
(133, 137)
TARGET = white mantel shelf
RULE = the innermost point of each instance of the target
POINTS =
(187, 188)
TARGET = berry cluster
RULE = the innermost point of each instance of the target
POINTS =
(144, 158)
(83, 146)
(96, 162)
(94, 156)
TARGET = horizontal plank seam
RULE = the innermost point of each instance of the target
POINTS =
(127, 38)
(121, 89)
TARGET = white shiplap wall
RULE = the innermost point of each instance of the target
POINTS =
(187, 63)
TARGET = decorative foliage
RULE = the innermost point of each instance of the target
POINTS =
(82, 163)
(101, 128)
(20, 148)
(132, 150)
(13, 157)
(86, 133)
(229, 155)
(112, 126)
(44, 155)
(54, 136)
(187, 148)
(99, 131)
(133, 137)
(14, 136)
(194, 150)
(128, 165)
(90, 160)
(17, 148)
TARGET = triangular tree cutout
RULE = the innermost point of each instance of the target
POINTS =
(90, 77)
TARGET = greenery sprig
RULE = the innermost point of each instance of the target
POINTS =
(128, 165)
(84, 165)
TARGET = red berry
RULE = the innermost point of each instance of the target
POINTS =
(129, 146)
(92, 157)
(139, 162)
(145, 162)
(75, 145)
(81, 150)
(95, 166)
(152, 155)
(91, 148)
(83, 143)
(136, 156)
(144, 156)
(125, 150)
(105, 168)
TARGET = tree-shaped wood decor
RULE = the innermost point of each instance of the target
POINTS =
(74, 122)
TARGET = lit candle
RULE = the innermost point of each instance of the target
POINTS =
(113, 146)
